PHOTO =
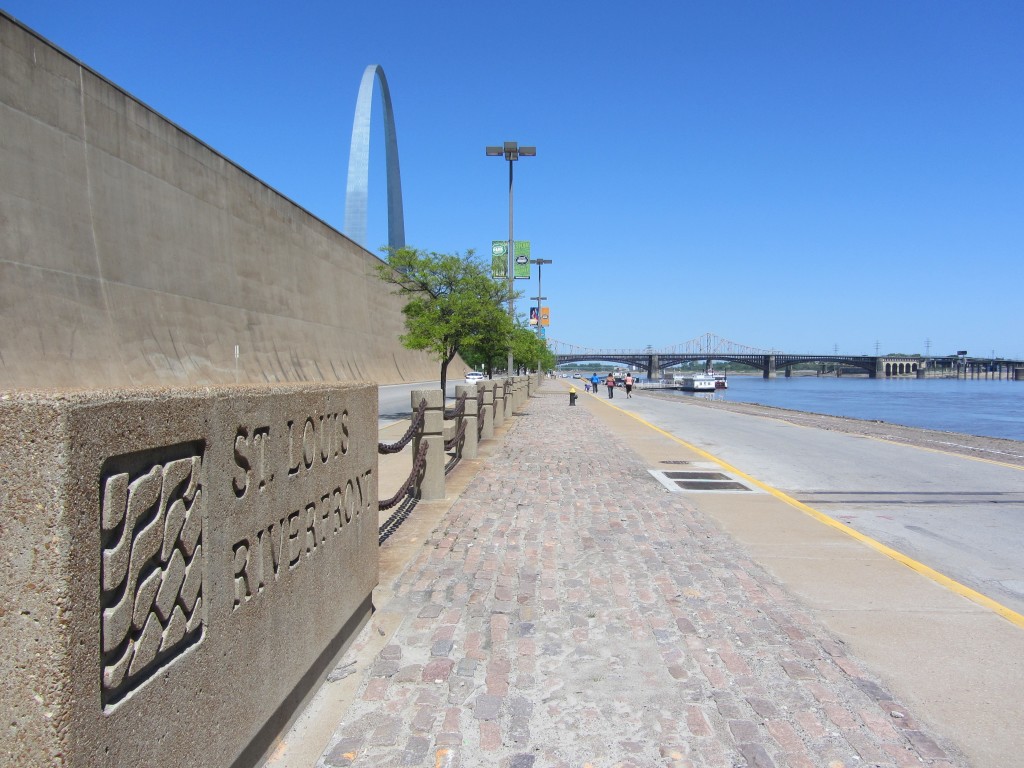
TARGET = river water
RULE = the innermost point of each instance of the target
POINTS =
(990, 408)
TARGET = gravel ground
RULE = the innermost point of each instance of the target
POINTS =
(991, 448)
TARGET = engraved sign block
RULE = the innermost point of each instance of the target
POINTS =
(180, 567)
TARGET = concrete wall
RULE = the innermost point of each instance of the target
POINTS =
(133, 254)
(179, 567)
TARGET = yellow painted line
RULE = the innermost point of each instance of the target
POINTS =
(943, 451)
(954, 586)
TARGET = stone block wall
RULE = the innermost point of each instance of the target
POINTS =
(133, 254)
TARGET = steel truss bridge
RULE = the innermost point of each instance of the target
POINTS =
(710, 347)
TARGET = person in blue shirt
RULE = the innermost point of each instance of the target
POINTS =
(595, 382)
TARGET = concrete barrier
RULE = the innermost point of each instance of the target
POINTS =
(509, 397)
(487, 409)
(133, 254)
(498, 398)
(179, 567)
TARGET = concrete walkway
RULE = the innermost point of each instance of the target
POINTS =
(567, 610)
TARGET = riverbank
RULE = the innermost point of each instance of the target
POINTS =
(991, 448)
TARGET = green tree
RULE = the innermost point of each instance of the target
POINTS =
(489, 350)
(529, 350)
(453, 304)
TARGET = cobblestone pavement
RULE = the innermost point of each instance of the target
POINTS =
(568, 611)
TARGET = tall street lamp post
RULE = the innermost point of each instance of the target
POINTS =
(540, 263)
(511, 151)
(539, 297)
(540, 328)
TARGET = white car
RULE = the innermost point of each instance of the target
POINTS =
(472, 377)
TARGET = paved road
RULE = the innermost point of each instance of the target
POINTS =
(394, 401)
(960, 516)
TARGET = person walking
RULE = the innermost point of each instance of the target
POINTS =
(628, 382)
(610, 381)
(595, 382)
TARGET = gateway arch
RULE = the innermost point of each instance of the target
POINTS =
(359, 164)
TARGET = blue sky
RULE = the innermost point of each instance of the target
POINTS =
(804, 176)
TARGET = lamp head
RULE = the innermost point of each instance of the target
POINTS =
(511, 151)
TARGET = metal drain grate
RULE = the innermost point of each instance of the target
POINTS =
(675, 461)
(693, 475)
(704, 477)
(705, 485)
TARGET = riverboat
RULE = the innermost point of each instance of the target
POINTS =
(695, 382)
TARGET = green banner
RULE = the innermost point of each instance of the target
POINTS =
(499, 259)
(521, 269)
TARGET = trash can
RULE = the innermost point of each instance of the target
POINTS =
(572, 395)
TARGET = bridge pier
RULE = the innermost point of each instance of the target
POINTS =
(769, 367)
(653, 370)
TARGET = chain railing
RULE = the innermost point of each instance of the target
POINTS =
(458, 409)
(455, 444)
(404, 495)
(404, 440)
(456, 435)
(473, 420)
(410, 482)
